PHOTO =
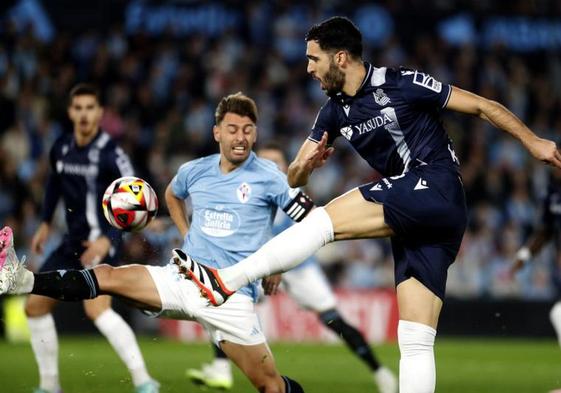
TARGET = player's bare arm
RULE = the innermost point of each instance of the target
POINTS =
(95, 251)
(466, 102)
(40, 237)
(176, 208)
(537, 241)
(311, 155)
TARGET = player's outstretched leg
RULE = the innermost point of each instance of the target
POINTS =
(280, 254)
(206, 278)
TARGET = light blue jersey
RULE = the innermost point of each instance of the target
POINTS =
(233, 213)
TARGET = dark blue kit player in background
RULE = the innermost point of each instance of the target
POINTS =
(83, 163)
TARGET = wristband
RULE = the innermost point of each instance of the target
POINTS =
(524, 254)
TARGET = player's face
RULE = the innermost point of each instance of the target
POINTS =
(85, 113)
(274, 155)
(321, 66)
(236, 136)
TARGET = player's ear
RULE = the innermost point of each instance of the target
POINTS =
(216, 133)
(341, 58)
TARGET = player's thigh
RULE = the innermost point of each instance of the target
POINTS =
(133, 282)
(417, 303)
(353, 217)
(95, 307)
(37, 305)
(255, 361)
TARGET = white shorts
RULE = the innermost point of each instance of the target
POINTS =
(309, 287)
(235, 321)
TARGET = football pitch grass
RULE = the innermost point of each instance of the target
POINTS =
(88, 364)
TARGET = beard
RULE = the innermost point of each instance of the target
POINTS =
(334, 80)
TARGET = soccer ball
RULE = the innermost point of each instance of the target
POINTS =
(129, 203)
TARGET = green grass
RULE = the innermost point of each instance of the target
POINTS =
(464, 366)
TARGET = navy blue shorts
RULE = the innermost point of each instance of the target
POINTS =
(426, 208)
(67, 256)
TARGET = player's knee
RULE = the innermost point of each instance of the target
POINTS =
(106, 277)
(271, 387)
(267, 381)
(36, 307)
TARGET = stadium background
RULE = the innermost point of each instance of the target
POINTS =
(163, 65)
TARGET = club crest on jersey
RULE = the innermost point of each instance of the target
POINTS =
(347, 132)
(381, 98)
(244, 192)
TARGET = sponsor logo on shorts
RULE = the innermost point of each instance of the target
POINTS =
(421, 184)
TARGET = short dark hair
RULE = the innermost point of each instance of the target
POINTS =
(337, 33)
(238, 103)
(84, 89)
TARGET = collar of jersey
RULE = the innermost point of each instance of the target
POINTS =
(95, 138)
(346, 99)
(250, 158)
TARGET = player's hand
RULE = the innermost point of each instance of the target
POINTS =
(318, 156)
(95, 251)
(39, 238)
(271, 284)
(545, 151)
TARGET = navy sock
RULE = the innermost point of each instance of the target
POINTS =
(68, 285)
(218, 352)
(352, 337)
(291, 386)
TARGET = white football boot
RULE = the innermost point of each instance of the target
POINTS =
(217, 375)
(11, 268)
(385, 380)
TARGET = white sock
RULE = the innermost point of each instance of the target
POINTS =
(223, 365)
(44, 343)
(25, 285)
(417, 370)
(122, 338)
(283, 252)
(555, 317)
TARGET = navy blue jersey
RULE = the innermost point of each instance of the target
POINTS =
(550, 222)
(392, 121)
(80, 175)
(551, 213)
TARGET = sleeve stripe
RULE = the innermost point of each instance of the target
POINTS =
(447, 97)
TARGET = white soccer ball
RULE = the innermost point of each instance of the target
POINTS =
(129, 203)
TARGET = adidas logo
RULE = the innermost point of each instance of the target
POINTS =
(377, 187)
(421, 185)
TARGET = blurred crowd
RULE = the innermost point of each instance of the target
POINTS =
(160, 91)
